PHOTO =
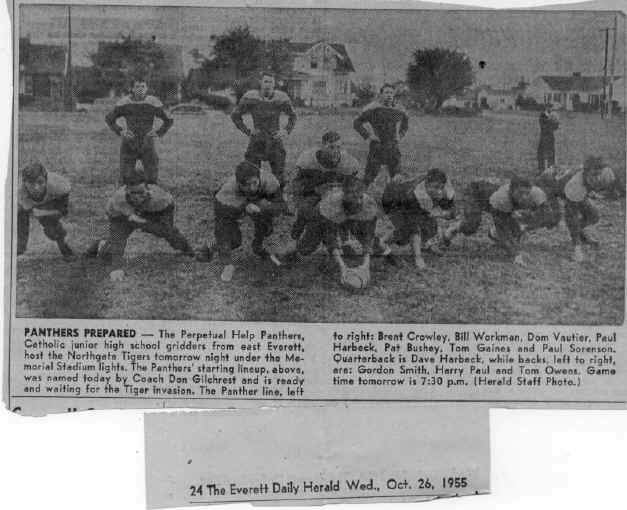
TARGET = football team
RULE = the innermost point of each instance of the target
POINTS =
(331, 201)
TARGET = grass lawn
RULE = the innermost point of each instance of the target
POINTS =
(472, 283)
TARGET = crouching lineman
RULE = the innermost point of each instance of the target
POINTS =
(515, 207)
(137, 206)
(413, 207)
(250, 192)
(318, 170)
(342, 211)
(44, 196)
(574, 187)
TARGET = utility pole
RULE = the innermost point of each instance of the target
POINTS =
(604, 101)
(612, 66)
(68, 99)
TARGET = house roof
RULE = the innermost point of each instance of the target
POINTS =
(498, 92)
(344, 61)
(575, 82)
(41, 58)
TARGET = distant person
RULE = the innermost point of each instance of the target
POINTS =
(388, 123)
(413, 207)
(250, 192)
(546, 147)
(575, 186)
(515, 207)
(266, 138)
(319, 169)
(137, 205)
(45, 196)
(139, 111)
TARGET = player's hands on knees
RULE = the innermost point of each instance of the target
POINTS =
(127, 134)
(252, 209)
(374, 138)
(419, 262)
(151, 134)
(519, 260)
(117, 275)
(136, 219)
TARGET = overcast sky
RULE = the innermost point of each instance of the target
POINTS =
(513, 44)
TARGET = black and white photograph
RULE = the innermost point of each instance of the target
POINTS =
(319, 165)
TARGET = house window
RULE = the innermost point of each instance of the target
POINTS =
(557, 98)
(314, 63)
(319, 87)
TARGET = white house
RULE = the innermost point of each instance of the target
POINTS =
(497, 99)
(575, 91)
(321, 74)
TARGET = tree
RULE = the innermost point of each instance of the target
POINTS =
(436, 74)
(236, 59)
(117, 62)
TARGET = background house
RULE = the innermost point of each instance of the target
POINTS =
(321, 74)
(496, 99)
(574, 92)
(41, 72)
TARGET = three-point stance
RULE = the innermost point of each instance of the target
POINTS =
(139, 110)
(413, 207)
(574, 187)
(137, 206)
(45, 196)
(342, 211)
(388, 122)
(250, 192)
(515, 207)
(317, 171)
(266, 138)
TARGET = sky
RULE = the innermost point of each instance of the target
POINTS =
(513, 45)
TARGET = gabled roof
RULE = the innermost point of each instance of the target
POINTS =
(576, 82)
(41, 58)
(344, 60)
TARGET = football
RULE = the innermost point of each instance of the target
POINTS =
(355, 280)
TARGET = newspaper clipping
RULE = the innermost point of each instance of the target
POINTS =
(237, 206)
(316, 454)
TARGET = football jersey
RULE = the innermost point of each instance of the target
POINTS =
(501, 199)
(383, 120)
(231, 197)
(265, 111)
(57, 187)
(315, 178)
(157, 201)
(139, 115)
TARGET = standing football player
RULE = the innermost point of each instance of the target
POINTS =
(317, 171)
(413, 206)
(43, 195)
(546, 147)
(250, 192)
(388, 123)
(137, 205)
(138, 137)
(265, 106)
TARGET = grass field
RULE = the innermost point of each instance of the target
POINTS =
(472, 283)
